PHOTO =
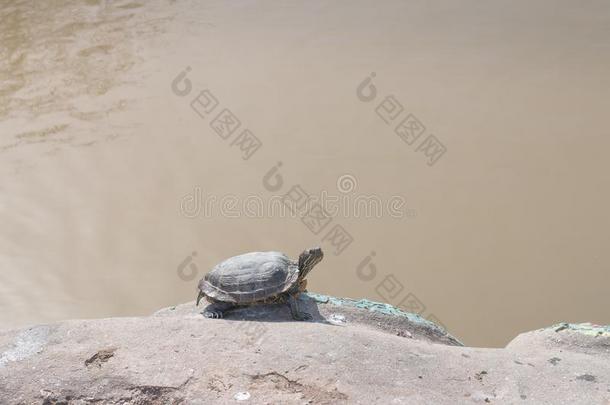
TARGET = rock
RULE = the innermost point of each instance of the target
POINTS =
(352, 352)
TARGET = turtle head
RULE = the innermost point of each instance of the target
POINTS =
(308, 259)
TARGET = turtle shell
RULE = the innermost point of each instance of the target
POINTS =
(250, 277)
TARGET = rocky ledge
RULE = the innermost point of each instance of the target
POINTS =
(351, 352)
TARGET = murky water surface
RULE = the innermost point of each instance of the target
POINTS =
(120, 189)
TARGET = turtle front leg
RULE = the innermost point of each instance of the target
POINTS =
(217, 310)
(297, 314)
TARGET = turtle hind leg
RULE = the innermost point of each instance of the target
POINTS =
(297, 314)
(217, 310)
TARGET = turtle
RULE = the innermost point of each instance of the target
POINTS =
(257, 278)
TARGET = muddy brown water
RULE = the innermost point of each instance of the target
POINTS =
(459, 151)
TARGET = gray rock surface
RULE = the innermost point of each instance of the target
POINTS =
(352, 352)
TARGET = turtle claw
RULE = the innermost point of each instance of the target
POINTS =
(217, 310)
(296, 313)
(212, 314)
(303, 316)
